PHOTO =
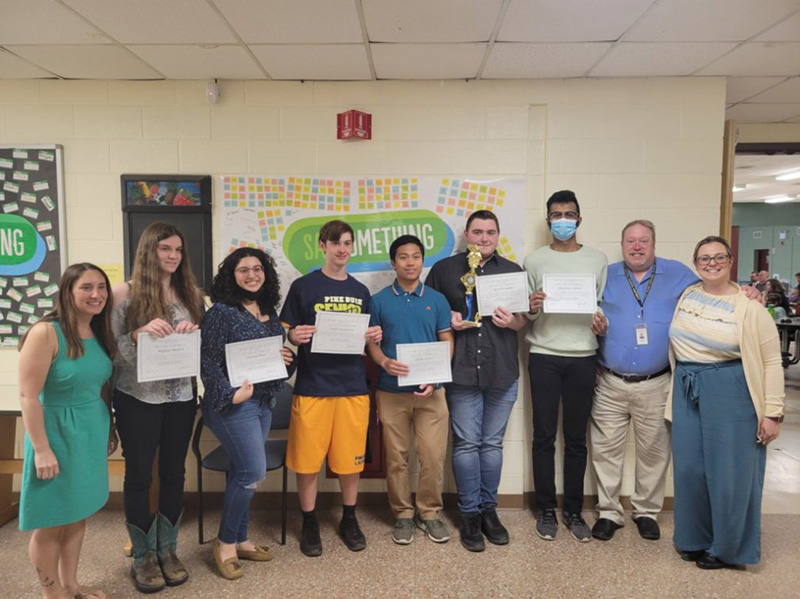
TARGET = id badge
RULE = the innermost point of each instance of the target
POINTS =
(641, 334)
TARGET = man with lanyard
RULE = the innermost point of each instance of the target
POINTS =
(486, 377)
(634, 377)
(409, 312)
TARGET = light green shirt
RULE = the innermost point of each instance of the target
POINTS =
(564, 334)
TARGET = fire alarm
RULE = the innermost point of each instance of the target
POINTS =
(353, 124)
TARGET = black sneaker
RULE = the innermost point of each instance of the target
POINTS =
(470, 532)
(310, 543)
(546, 524)
(492, 529)
(351, 534)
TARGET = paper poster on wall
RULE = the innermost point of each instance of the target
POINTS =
(283, 215)
(31, 236)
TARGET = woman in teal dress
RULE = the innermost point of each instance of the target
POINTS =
(64, 367)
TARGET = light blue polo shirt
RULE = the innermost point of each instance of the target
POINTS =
(618, 349)
(407, 317)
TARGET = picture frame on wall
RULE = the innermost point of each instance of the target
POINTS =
(174, 191)
(181, 200)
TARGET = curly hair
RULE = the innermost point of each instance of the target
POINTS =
(224, 288)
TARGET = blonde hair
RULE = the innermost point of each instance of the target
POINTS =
(146, 298)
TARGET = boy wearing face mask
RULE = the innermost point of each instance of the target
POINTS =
(562, 367)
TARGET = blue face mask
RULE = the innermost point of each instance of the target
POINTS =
(563, 228)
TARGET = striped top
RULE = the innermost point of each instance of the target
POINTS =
(704, 328)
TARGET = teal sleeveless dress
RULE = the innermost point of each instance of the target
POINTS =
(77, 423)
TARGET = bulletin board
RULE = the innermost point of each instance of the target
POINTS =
(32, 234)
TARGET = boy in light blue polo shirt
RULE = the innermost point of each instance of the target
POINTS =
(410, 312)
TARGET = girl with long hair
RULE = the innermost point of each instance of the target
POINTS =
(64, 368)
(161, 299)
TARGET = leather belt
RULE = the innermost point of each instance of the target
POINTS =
(637, 378)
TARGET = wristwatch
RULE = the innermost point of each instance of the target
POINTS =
(777, 419)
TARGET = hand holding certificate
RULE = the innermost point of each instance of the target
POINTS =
(340, 333)
(173, 356)
(427, 363)
(257, 361)
(569, 294)
(508, 290)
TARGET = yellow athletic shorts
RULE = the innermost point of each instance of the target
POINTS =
(332, 426)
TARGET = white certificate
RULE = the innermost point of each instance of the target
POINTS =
(508, 290)
(172, 357)
(339, 333)
(257, 360)
(428, 363)
(569, 294)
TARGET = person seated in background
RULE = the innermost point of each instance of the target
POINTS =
(794, 294)
(753, 278)
(763, 277)
(774, 286)
(774, 306)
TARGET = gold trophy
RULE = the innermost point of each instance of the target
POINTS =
(469, 280)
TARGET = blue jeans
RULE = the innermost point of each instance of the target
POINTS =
(242, 430)
(478, 418)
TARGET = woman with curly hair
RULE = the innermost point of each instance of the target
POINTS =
(160, 299)
(64, 368)
(245, 293)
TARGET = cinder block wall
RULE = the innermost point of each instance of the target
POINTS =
(629, 148)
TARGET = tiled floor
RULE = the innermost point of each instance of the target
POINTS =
(626, 567)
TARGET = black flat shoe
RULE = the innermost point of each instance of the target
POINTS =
(648, 528)
(691, 556)
(709, 562)
(604, 529)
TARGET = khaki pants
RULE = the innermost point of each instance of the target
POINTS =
(616, 404)
(429, 417)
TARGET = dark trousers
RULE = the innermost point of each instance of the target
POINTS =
(142, 429)
(572, 381)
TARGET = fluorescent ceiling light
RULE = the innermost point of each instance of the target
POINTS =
(740, 187)
(790, 176)
(779, 199)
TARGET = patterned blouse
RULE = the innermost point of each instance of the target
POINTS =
(224, 324)
(704, 328)
(125, 378)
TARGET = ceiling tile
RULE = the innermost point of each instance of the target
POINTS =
(308, 62)
(742, 88)
(708, 20)
(787, 30)
(282, 22)
(426, 21)
(87, 62)
(44, 22)
(758, 59)
(762, 113)
(633, 59)
(569, 20)
(156, 21)
(208, 61)
(13, 67)
(786, 92)
(427, 61)
(541, 61)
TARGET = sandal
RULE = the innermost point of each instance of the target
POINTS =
(260, 554)
(230, 568)
(89, 593)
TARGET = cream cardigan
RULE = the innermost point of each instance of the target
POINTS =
(761, 356)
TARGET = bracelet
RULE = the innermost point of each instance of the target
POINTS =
(130, 339)
(777, 419)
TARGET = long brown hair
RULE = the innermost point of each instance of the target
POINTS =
(65, 314)
(147, 299)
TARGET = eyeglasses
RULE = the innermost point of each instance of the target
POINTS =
(256, 270)
(719, 259)
(560, 215)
